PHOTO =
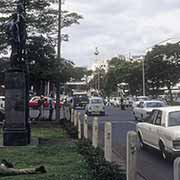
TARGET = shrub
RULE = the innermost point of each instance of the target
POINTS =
(69, 127)
(101, 169)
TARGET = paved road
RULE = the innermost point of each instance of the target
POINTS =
(149, 162)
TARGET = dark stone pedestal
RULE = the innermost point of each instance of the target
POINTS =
(15, 137)
(16, 130)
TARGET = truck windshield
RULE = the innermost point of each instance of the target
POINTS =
(174, 119)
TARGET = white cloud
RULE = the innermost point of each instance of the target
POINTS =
(119, 27)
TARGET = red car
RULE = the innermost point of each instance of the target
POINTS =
(33, 102)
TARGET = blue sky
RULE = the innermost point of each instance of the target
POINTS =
(119, 27)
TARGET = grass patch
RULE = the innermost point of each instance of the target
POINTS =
(49, 133)
(63, 162)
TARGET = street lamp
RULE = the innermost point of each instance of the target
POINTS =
(96, 53)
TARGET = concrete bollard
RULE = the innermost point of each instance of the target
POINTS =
(85, 124)
(75, 118)
(108, 141)
(131, 155)
(79, 126)
(72, 115)
(95, 132)
(177, 169)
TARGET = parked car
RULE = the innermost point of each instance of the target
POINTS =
(33, 102)
(144, 108)
(162, 131)
(2, 101)
(80, 101)
(95, 106)
(138, 99)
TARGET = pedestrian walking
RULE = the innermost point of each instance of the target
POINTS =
(51, 107)
(40, 107)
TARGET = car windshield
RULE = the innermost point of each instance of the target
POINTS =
(96, 101)
(154, 104)
(174, 119)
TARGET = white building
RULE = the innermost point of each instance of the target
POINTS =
(100, 64)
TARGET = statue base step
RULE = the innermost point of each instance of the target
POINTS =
(15, 138)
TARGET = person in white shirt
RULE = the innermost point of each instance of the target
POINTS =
(51, 107)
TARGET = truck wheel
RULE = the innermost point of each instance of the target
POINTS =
(163, 151)
(141, 143)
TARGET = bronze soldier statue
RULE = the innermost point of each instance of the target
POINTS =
(16, 31)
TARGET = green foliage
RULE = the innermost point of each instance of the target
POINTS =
(69, 127)
(121, 71)
(41, 22)
(162, 69)
(49, 132)
(101, 169)
(134, 78)
(41, 18)
(79, 73)
(163, 66)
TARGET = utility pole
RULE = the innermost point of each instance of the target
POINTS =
(143, 76)
(59, 59)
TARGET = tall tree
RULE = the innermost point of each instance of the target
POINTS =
(134, 78)
(117, 73)
(41, 19)
(163, 66)
(79, 73)
(42, 36)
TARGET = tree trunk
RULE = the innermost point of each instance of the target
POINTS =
(170, 94)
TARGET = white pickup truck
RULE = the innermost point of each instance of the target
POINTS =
(144, 108)
(162, 131)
